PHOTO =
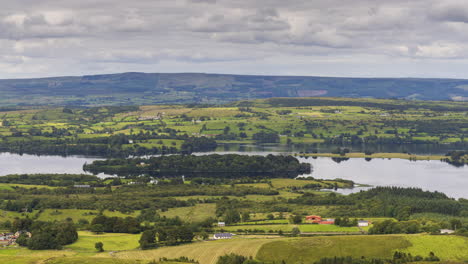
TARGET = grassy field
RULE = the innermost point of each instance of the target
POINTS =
(205, 252)
(312, 249)
(76, 214)
(120, 249)
(11, 186)
(111, 241)
(197, 212)
(96, 260)
(445, 247)
(301, 124)
(25, 256)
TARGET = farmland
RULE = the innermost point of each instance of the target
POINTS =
(170, 206)
(292, 250)
(307, 249)
(304, 124)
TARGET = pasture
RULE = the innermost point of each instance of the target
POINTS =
(205, 252)
(302, 250)
(198, 212)
(111, 241)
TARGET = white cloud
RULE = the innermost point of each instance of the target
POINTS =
(333, 37)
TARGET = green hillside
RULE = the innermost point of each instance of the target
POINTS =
(169, 88)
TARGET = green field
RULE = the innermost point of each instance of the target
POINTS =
(312, 249)
(302, 121)
(204, 252)
(445, 247)
(111, 241)
(199, 212)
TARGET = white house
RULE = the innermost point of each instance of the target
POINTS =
(447, 231)
(221, 224)
(363, 223)
(222, 236)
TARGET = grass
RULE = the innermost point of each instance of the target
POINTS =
(313, 249)
(445, 247)
(194, 213)
(327, 228)
(265, 228)
(205, 252)
(121, 249)
(111, 241)
(25, 256)
(11, 186)
(76, 214)
(94, 260)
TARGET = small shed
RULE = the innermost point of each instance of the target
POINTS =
(363, 223)
(222, 236)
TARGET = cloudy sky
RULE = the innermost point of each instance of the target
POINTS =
(362, 38)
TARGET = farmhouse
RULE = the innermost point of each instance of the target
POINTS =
(10, 238)
(316, 219)
(447, 231)
(221, 224)
(222, 236)
(363, 223)
(18, 233)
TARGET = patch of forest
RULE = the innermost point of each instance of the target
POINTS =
(214, 165)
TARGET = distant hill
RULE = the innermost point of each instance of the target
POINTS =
(169, 88)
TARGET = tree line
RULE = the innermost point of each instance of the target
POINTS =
(214, 165)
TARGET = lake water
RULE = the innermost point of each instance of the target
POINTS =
(30, 164)
(428, 175)
(431, 175)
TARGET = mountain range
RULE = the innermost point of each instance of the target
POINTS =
(135, 88)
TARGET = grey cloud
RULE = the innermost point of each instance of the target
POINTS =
(45, 37)
(238, 20)
(202, 1)
(452, 11)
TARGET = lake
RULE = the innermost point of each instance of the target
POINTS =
(429, 175)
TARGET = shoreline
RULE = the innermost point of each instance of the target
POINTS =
(374, 156)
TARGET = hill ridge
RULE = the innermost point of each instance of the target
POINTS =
(136, 88)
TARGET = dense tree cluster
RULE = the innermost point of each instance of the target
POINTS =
(53, 179)
(103, 223)
(44, 235)
(167, 236)
(457, 158)
(214, 165)
(111, 146)
(388, 202)
(393, 227)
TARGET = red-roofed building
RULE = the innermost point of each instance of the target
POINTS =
(315, 219)
(327, 222)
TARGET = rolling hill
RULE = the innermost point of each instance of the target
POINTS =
(169, 88)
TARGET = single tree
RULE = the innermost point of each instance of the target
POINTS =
(99, 246)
